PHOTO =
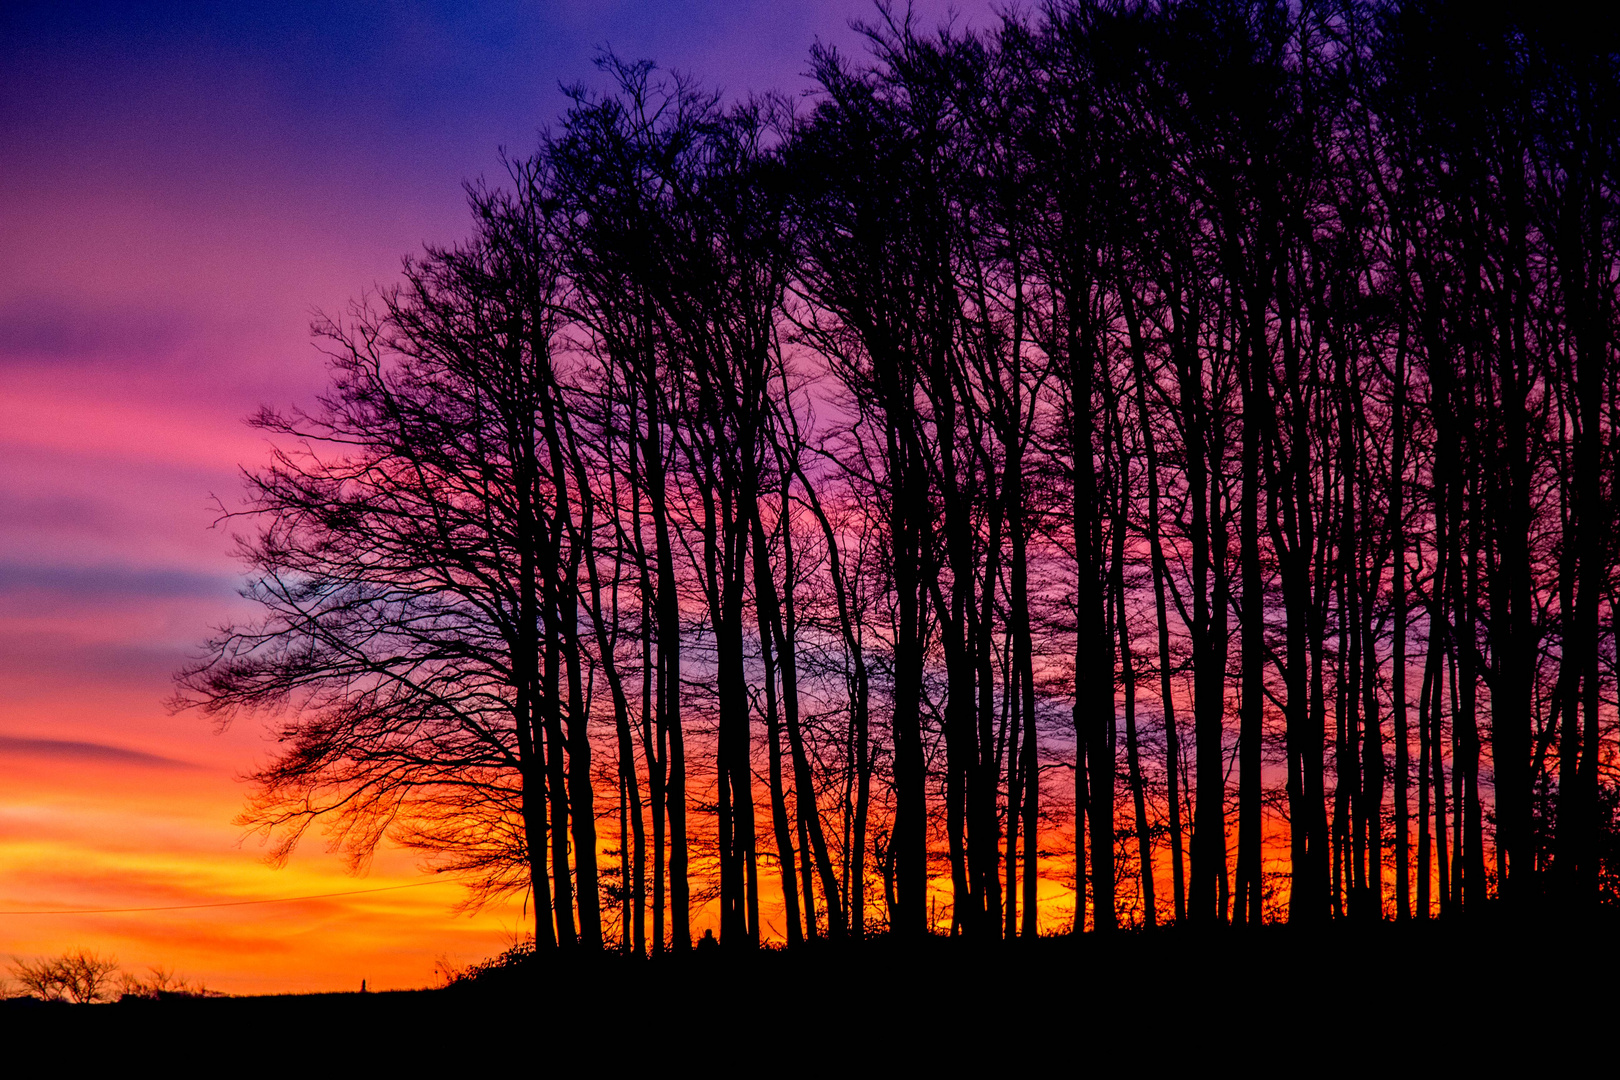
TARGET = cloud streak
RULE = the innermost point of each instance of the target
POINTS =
(59, 332)
(89, 752)
(105, 581)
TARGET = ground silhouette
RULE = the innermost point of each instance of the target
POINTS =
(1284, 998)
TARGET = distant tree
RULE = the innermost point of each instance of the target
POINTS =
(159, 984)
(80, 976)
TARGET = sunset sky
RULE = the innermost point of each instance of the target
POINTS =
(181, 187)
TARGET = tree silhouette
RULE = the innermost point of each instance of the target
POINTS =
(1228, 380)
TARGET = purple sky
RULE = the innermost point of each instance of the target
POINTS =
(181, 187)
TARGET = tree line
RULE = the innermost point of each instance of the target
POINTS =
(1145, 461)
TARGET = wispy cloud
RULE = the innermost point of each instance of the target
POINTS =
(94, 752)
(96, 582)
(57, 332)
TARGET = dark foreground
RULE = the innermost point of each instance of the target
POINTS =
(1276, 1001)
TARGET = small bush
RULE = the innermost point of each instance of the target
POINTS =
(493, 969)
(160, 984)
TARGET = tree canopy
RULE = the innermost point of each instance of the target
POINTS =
(1141, 461)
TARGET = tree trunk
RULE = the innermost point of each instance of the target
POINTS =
(1397, 680)
(1172, 743)
(769, 630)
(1144, 842)
(1253, 629)
(669, 685)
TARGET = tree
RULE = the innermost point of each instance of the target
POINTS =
(870, 438)
(414, 567)
(79, 976)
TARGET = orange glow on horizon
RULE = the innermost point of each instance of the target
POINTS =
(95, 834)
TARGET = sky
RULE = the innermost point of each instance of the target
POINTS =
(183, 187)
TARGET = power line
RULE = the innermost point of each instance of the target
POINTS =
(222, 904)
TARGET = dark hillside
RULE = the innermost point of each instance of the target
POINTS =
(1508, 999)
